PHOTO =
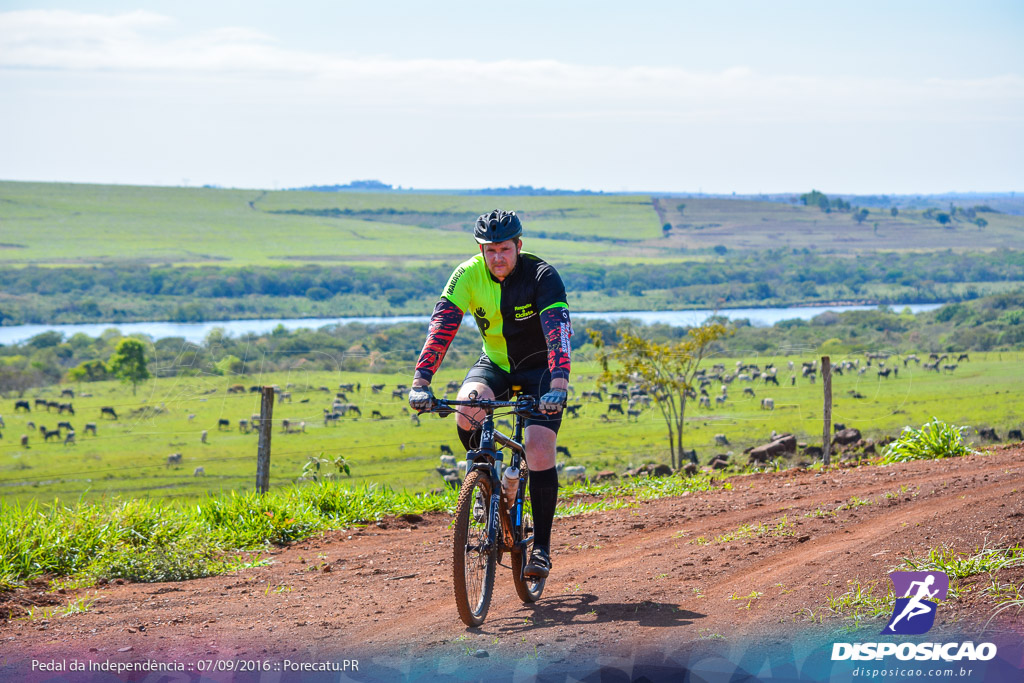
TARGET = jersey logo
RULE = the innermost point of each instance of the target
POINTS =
(481, 320)
(455, 280)
(524, 312)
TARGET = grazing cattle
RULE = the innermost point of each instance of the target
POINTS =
(454, 385)
(236, 389)
(617, 396)
(22, 405)
(962, 357)
(884, 373)
(69, 438)
(448, 460)
(24, 440)
(198, 471)
(330, 417)
(415, 419)
(635, 414)
(292, 428)
(1014, 435)
(575, 472)
(202, 437)
(286, 397)
(376, 415)
(347, 387)
(41, 402)
(254, 420)
(573, 410)
(720, 400)
(354, 409)
(747, 391)
(341, 396)
(173, 459)
(721, 440)
(949, 368)
(326, 390)
(705, 402)
(563, 450)
(376, 388)
(47, 434)
(243, 426)
(397, 393)
(255, 389)
(90, 427)
(592, 396)
(446, 450)
(615, 408)
(31, 425)
(107, 410)
(65, 425)
(70, 393)
(767, 404)
(770, 378)
(223, 424)
(603, 417)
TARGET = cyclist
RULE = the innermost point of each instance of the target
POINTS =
(519, 303)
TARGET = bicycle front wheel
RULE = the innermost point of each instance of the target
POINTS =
(473, 565)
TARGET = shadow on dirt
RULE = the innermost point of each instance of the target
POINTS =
(586, 608)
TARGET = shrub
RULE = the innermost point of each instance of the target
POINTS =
(932, 441)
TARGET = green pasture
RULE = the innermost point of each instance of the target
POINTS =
(70, 224)
(128, 457)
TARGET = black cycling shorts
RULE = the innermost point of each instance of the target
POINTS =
(535, 382)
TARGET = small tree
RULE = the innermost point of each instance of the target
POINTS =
(860, 215)
(89, 371)
(666, 371)
(894, 211)
(129, 362)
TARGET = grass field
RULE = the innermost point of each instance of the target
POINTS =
(65, 224)
(128, 457)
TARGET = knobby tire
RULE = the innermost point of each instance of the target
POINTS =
(473, 571)
(528, 590)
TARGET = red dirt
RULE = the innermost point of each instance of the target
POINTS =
(624, 581)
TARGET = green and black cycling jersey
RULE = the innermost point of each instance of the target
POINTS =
(523, 319)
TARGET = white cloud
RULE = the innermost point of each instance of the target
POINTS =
(150, 44)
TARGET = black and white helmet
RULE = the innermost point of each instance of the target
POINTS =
(497, 226)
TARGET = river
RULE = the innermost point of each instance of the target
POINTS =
(196, 332)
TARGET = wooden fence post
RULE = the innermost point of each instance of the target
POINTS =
(263, 450)
(826, 377)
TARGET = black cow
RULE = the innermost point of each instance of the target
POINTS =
(107, 410)
(615, 408)
(224, 424)
(22, 405)
(446, 450)
(563, 450)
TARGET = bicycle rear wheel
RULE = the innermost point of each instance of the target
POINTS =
(473, 566)
(528, 590)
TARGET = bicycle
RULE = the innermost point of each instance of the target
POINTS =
(487, 524)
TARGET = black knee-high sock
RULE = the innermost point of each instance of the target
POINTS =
(470, 438)
(544, 496)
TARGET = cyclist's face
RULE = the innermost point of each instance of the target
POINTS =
(501, 257)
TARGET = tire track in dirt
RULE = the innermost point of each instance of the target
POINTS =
(622, 579)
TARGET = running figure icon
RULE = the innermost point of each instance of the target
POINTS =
(921, 592)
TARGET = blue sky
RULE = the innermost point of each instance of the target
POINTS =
(865, 97)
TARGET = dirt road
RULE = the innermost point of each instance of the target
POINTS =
(628, 584)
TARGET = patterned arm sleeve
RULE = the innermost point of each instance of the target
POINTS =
(554, 320)
(444, 324)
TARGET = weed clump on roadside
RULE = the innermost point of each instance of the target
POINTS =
(934, 440)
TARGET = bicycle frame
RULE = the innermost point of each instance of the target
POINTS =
(487, 456)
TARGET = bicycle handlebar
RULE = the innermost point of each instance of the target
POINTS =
(524, 405)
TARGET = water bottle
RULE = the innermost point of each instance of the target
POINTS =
(509, 484)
